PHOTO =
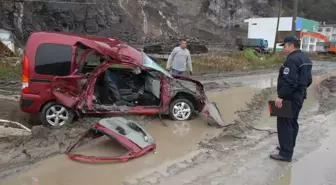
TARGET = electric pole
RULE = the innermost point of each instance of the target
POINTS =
(277, 27)
(295, 12)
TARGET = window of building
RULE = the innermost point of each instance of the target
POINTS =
(328, 29)
(320, 30)
(312, 39)
(333, 37)
(53, 59)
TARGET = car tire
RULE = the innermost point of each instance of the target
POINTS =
(174, 111)
(54, 111)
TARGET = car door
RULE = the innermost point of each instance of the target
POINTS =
(72, 90)
(69, 89)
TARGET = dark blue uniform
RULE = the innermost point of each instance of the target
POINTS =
(294, 79)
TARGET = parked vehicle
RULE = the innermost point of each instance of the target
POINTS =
(260, 45)
(68, 75)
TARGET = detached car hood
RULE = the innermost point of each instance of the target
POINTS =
(128, 133)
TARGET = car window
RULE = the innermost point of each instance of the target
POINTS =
(92, 60)
(150, 63)
(53, 59)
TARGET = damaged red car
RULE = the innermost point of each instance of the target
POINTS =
(67, 75)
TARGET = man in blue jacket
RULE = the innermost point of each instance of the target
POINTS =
(293, 80)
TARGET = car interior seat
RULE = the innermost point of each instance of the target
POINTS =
(118, 96)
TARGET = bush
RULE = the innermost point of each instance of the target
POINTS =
(250, 55)
(9, 69)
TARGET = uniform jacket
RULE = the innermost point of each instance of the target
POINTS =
(294, 75)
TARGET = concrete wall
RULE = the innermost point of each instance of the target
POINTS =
(7, 38)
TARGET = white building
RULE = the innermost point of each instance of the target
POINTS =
(265, 28)
(6, 37)
(328, 30)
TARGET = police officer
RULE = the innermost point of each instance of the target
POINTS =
(293, 80)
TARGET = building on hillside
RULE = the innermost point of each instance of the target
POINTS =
(265, 28)
(6, 37)
(328, 30)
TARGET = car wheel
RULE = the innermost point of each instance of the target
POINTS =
(55, 115)
(181, 109)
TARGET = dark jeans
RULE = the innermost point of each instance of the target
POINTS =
(288, 128)
(177, 72)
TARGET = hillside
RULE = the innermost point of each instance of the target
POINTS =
(143, 21)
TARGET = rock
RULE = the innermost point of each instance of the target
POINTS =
(91, 26)
(139, 21)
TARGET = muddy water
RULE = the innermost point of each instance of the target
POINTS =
(317, 168)
(102, 146)
(173, 142)
(228, 102)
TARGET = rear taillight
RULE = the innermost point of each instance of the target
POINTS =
(25, 75)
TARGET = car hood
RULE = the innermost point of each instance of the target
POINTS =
(189, 83)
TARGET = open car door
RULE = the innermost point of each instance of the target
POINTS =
(69, 90)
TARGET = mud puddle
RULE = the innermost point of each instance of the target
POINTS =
(173, 142)
(316, 168)
(103, 147)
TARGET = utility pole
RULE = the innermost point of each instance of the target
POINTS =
(295, 12)
(277, 27)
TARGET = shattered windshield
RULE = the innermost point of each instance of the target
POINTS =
(150, 63)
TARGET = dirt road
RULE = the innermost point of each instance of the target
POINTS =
(188, 152)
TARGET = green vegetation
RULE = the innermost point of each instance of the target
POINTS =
(9, 68)
(241, 61)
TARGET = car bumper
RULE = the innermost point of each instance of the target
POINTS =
(31, 103)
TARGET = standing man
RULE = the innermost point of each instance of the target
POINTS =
(294, 79)
(179, 59)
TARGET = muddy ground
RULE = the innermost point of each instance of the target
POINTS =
(250, 91)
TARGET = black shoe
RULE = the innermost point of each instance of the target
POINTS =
(280, 158)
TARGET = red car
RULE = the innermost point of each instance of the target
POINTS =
(67, 75)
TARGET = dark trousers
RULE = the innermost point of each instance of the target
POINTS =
(288, 128)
